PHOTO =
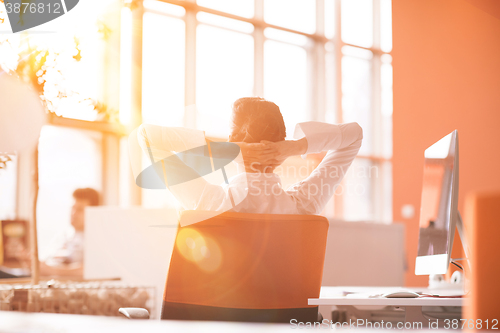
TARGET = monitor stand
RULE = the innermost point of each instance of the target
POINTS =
(463, 239)
(458, 281)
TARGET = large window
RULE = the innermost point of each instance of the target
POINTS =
(224, 71)
(68, 159)
(285, 77)
(183, 63)
(325, 60)
(163, 70)
(75, 74)
(8, 186)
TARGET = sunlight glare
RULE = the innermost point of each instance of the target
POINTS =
(126, 66)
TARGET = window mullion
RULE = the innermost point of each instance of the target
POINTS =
(318, 94)
(190, 71)
(377, 182)
(320, 17)
(376, 101)
(338, 199)
(259, 39)
(259, 10)
(338, 61)
(136, 91)
(376, 24)
(317, 89)
(136, 75)
(110, 169)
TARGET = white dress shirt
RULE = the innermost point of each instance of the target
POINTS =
(261, 193)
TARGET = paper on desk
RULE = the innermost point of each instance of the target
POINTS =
(358, 295)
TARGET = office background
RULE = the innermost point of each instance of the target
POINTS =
(446, 77)
(182, 63)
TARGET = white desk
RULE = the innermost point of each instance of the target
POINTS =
(360, 296)
(134, 244)
(14, 322)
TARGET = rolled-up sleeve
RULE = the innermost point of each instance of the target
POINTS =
(342, 143)
(162, 142)
(159, 142)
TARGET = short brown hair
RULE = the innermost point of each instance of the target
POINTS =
(89, 194)
(256, 119)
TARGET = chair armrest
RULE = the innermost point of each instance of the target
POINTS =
(134, 313)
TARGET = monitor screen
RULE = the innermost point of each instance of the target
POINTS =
(438, 206)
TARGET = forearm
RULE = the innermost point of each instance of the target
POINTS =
(183, 180)
(297, 147)
(160, 142)
(281, 150)
(326, 137)
(150, 139)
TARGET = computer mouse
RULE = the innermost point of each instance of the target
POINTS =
(401, 294)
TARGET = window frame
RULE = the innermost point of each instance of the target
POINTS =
(382, 204)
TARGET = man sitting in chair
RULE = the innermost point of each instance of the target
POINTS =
(246, 286)
(259, 130)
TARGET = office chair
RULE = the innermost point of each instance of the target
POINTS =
(245, 267)
(482, 214)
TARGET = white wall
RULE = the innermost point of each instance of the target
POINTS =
(134, 244)
(364, 254)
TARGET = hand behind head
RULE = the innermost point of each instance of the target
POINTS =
(259, 157)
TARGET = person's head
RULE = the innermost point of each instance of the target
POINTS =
(255, 119)
(83, 197)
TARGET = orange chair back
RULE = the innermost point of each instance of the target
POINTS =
(248, 261)
(482, 218)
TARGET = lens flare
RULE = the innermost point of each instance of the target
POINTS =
(203, 251)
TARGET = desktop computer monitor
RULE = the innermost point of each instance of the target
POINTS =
(438, 209)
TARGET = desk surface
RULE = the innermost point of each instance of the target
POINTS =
(14, 322)
(358, 296)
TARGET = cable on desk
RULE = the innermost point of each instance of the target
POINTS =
(459, 266)
(439, 296)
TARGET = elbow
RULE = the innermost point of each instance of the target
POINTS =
(359, 131)
(142, 136)
(141, 130)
